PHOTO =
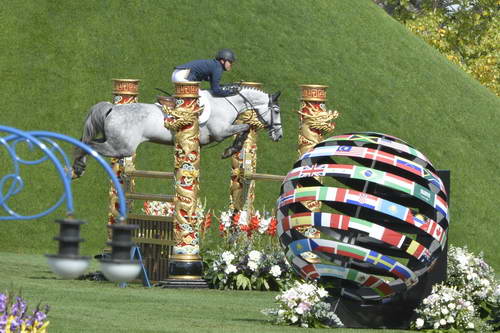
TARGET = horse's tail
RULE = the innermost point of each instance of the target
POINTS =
(93, 125)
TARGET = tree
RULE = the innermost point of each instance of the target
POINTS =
(467, 32)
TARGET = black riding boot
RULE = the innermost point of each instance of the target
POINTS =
(237, 144)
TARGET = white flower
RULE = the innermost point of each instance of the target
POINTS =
(243, 218)
(230, 269)
(450, 319)
(436, 325)
(307, 289)
(227, 256)
(294, 319)
(445, 311)
(470, 325)
(419, 323)
(442, 322)
(255, 255)
(322, 292)
(452, 306)
(496, 293)
(225, 218)
(264, 225)
(275, 271)
(446, 297)
(253, 265)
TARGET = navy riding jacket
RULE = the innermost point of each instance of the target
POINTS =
(206, 70)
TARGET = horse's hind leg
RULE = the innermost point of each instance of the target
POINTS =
(103, 148)
(106, 149)
(79, 163)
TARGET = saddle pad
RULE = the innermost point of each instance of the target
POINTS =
(204, 103)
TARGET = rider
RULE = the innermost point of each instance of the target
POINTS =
(211, 70)
(208, 70)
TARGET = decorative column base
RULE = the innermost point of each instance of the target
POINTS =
(184, 271)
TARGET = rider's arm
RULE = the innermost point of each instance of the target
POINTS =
(215, 83)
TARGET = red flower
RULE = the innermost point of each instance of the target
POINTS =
(271, 230)
(207, 221)
(246, 228)
(236, 218)
(254, 222)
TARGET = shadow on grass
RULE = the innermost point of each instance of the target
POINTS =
(250, 320)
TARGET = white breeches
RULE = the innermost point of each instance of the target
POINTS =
(180, 75)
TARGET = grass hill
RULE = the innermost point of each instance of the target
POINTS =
(58, 59)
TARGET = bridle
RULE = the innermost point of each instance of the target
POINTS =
(271, 127)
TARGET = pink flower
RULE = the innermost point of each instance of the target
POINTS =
(303, 307)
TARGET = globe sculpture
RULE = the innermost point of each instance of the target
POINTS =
(377, 240)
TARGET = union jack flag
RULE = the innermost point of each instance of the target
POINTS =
(313, 171)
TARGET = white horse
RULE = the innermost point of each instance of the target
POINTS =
(125, 126)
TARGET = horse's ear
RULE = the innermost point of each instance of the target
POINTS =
(275, 96)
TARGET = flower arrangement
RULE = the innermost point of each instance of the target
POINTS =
(249, 256)
(302, 305)
(469, 300)
(14, 316)
(244, 268)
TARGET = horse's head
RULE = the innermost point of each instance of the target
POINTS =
(274, 121)
(266, 109)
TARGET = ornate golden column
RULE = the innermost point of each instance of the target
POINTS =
(315, 122)
(242, 192)
(315, 119)
(185, 262)
(125, 91)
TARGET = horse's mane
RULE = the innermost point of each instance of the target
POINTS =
(253, 88)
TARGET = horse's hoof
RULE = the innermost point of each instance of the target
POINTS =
(75, 175)
(229, 152)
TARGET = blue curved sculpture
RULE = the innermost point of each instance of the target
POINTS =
(67, 263)
(11, 184)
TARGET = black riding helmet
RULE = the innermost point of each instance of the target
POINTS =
(226, 54)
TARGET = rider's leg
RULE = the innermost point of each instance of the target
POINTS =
(180, 75)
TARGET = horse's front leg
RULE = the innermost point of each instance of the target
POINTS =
(242, 134)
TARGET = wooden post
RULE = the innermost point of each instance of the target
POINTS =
(125, 91)
(186, 263)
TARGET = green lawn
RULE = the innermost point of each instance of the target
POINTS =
(58, 59)
(86, 306)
